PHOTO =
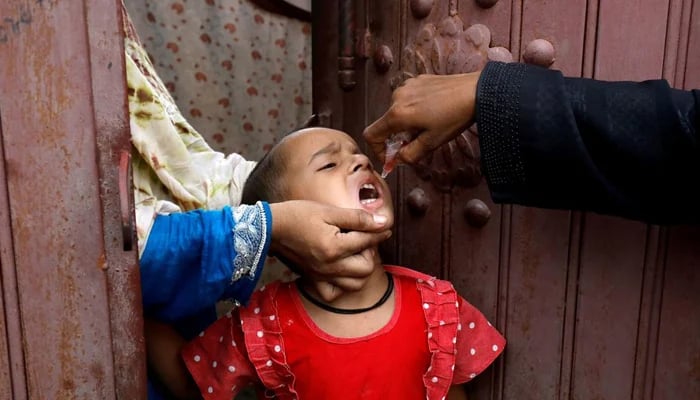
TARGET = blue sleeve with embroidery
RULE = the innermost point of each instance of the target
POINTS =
(193, 259)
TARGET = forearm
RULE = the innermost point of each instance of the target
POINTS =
(629, 149)
(192, 260)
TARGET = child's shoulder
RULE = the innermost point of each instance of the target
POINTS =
(268, 293)
(404, 272)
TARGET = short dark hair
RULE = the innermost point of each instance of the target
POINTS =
(265, 180)
(265, 184)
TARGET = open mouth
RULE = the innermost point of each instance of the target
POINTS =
(368, 194)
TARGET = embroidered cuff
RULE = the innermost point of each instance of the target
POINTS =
(497, 118)
(251, 239)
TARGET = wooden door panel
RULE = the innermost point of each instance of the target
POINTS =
(692, 67)
(676, 372)
(475, 266)
(607, 309)
(11, 356)
(543, 244)
(631, 39)
(585, 301)
(535, 301)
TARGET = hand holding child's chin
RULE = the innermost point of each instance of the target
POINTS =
(332, 289)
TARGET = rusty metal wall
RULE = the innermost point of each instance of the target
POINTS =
(70, 288)
(593, 307)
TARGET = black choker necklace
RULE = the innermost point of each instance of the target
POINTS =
(385, 297)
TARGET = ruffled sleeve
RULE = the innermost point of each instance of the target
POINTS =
(218, 361)
(478, 343)
(244, 347)
(461, 341)
(265, 344)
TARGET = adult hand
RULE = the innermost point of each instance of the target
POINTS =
(433, 108)
(330, 243)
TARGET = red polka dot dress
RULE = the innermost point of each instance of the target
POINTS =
(434, 339)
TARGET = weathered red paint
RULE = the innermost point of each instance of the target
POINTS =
(64, 122)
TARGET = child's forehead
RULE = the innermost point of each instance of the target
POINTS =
(312, 139)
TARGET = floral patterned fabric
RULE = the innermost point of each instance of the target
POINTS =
(240, 75)
(188, 152)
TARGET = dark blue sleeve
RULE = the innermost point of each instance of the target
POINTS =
(630, 149)
(191, 260)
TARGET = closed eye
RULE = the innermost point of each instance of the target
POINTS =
(327, 166)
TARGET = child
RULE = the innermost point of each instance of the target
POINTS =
(403, 335)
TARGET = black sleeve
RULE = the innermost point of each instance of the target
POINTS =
(622, 148)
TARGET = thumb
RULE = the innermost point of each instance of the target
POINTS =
(347, 219)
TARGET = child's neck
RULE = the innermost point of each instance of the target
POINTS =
(369, 296)
(374, 288)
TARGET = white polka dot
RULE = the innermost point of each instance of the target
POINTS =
(439, 293)
(435, 379)
(221, 339)
(201, 334)
(472, 375)
(457, 304)
(257, 310)
(489, 323)
(459, 327)
(260, 333)
(231, 368)
(210, 389)
(430, 335)
(269, 363)
(426, 306)
(454, 340)
(241, 322)
(431, 283)
(278, 348)
(214, 364)
(472, 351)
(272, 317)
(472, 325)
(430, 367)
(442, 323)
(443, 397)
(233, 343)
(453, 367)
(420, 281)
(197, 358)
(494, 347)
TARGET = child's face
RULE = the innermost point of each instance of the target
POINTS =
(327, 166)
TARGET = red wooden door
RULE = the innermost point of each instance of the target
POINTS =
(593, 307)
(71, 326)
